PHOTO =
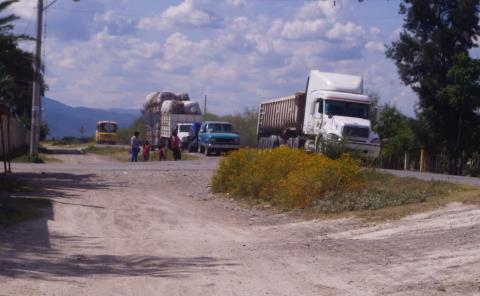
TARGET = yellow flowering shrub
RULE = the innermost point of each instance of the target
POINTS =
(287, 177)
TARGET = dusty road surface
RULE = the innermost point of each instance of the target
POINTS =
(154, 229)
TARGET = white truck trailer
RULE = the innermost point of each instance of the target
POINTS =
(333, 109)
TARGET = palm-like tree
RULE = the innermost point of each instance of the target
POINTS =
(16, 65)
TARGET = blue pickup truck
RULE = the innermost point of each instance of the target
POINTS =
(216, 137)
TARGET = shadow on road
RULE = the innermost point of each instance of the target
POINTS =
(26, 250)
(62, 185)
(109, 265)
(27, 231)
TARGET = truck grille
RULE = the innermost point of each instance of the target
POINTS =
(222, 141)
(356, 132)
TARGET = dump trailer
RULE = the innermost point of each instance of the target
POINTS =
(332, 110)
(280, 117)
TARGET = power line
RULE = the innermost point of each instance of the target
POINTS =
(86, 11)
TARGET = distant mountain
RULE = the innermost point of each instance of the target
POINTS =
(65, 120)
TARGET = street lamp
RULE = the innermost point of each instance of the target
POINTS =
(36, 87)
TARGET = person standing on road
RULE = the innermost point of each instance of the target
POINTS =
(161, 152)
(135, 146)
(176, 146)
(146, 151)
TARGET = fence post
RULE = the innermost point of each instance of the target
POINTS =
(422, 159)
(406, 161)
(9, 135)
(4, 158)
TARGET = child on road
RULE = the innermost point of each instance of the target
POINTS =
(161, 153)
(175, 142)
(146, 151)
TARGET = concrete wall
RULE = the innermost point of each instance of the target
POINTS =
(19, 135)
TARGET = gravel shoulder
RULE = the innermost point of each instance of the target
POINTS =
(154, 229)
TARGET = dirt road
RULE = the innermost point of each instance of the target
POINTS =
(154, 229)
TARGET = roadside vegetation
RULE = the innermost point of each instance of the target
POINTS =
(23, 155)
(290, 179)
(14, 209)
(70, 141)
(121, 153)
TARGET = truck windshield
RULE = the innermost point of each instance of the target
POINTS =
(107, 127)
(184, 128)
(349, 109)
(220, 127)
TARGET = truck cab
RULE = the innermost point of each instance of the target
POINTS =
(216, 137)
(184, 131)
(336, 110)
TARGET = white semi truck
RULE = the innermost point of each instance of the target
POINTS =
(333, 109)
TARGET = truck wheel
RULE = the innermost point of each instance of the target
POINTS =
(201, 149)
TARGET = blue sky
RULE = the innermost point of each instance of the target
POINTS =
(112, 53)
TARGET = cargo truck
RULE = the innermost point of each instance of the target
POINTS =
(333, 109)
(164, 111)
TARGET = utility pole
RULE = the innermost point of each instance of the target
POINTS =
(205, 106)
(35, 120)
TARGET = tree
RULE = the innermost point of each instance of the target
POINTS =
(124, 134)
(16, 67)
(431, 56)
(44, 131)
(395, 129)
(374, 108)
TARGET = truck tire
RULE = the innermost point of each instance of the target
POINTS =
(201, 149)
(274, 142)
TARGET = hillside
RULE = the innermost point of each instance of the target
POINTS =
(65, 120)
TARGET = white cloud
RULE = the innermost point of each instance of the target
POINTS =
(375, 30)
(187, 13)
(299, 29)
(25, 9)
(236, 58)
(321, 9)
(237, 3)
(347, 31)
(375, 46)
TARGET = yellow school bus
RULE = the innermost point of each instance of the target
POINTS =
(106, 132)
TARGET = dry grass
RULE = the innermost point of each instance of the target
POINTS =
(42, 158)
(316, 187)
(460, 193)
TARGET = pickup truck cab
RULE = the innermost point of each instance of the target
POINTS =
(184, 133)
(216, 137)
